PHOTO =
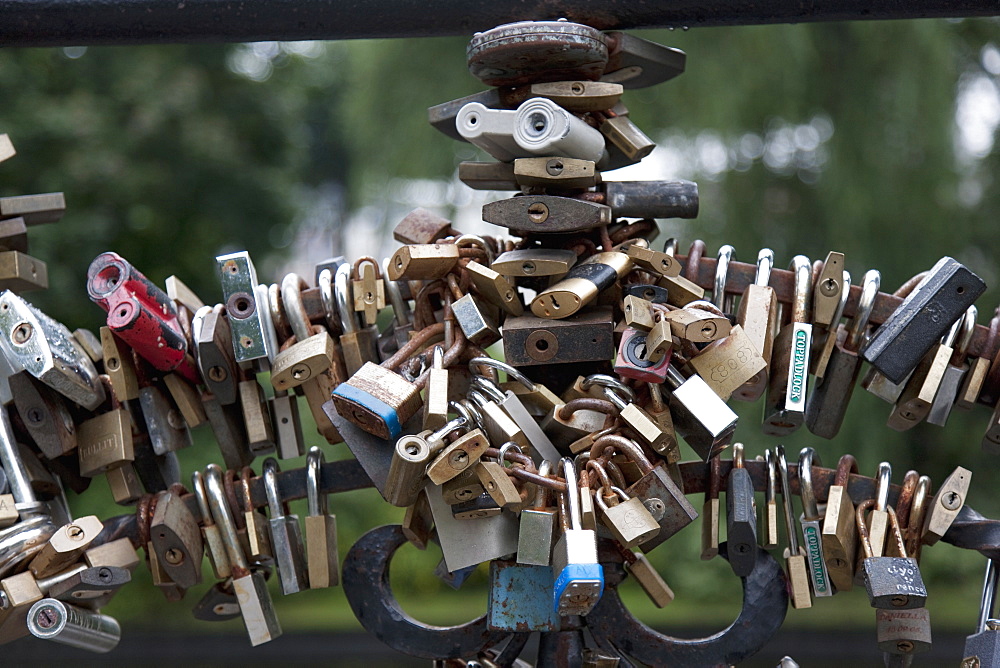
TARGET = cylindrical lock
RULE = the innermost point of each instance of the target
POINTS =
(51, 619)
(581, 285)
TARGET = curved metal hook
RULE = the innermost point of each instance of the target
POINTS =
(765, 602)
(366, 584)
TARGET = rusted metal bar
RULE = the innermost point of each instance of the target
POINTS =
(93, 22)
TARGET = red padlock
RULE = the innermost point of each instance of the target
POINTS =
(631, 361)
(140, 313)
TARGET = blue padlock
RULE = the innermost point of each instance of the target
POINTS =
(579, 577)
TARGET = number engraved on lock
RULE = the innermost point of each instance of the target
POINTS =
(815, 550)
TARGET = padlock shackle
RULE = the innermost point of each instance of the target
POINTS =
(292, 306)
(606, 381)
(918, 511)
(989, 599)
(224, 520)
(572, 493)
(400, 307)
(726, 255)
(341, 295)
(486, 387)
(765, 263)
(501, 366)
(801, 267)
(882, 482)
(465, 240)
(324, 282)
(870, 284)
(316, 502)
(965, 334)
(810, 507)
(627, 447)
(786, 500)
(269, 472)
(845, 467)
(198, 489)
(859, 520)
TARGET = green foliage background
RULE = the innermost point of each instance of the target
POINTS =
(172, 154)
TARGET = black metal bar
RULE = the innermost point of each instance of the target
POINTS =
(92, 22)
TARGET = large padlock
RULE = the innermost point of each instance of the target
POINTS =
(377, 400)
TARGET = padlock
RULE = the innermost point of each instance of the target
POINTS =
(20, 592)
(494, 288)
(829, 286)
(632, 360)
(420, 226)
(255, 532)
(917, 324)
(407, 468)
(918, 394)
(795, 559)
(629, 521)
(43, 347)
(532, 262)
(700, 416)
(758, 316)
(831, 394)
(167, 429)
(840, 537)
(174, 534)
(537, 526)
(655, 487)
(214, 352)
(972, 386)
(577, 418)
(556, 172)
(824, 344)
(741, 517)
(286, 536)
(140, 313)
(982, 648)
(710, 512)
(474, 509)
(656, 588)
(893, 583)
(477, 320)
(251, 591)
(367, 289)
(65, 546)
(302, 360)
(662, 264)
(496, 481)
(105, 441)
(585, 337)
(697, 321)
(787, 390)
(633, 417)
(581, 285)
(44, 414)
(422, 261)
(903, 632)
(451, 459)
(51, 619)
(810, 520)
(322, 556)
(769, 513)
(256, 417)
(951, 381)
(579, 577)
(520, 598)
(288, 439)
(211, 534)
(729, 363)
(357, 343)
(946, 505)
(377, 400)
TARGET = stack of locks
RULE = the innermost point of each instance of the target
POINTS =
(557, 459)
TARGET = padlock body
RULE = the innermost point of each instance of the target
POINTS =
(377, 400)
(894, 583)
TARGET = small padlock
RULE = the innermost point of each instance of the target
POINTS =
(629, 521)
(322, 556)
(286, 536)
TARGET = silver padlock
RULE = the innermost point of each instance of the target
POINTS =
(286, 536)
